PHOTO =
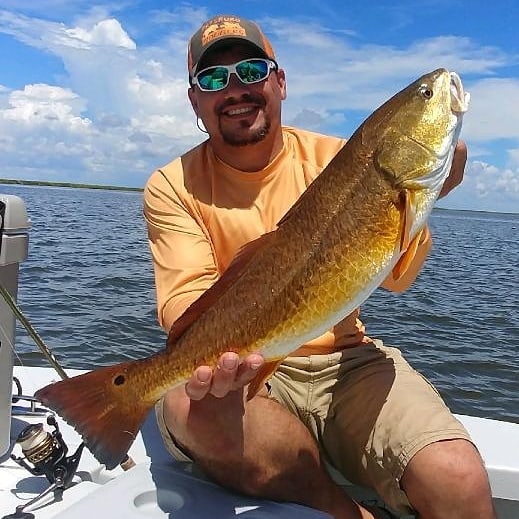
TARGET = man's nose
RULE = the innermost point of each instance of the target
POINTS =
(235, 84)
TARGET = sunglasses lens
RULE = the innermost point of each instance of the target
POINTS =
(252, 70)
(214, 78)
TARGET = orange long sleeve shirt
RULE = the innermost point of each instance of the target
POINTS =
(200, 212)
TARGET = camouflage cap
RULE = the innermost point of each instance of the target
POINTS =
(225, 27)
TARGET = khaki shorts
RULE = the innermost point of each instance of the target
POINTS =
(369, 411)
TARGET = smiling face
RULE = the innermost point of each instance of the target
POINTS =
(240, 114)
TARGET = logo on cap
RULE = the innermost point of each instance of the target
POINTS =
(224, 26)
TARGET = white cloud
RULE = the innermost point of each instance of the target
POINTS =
(104, 33)
(42, 122)
(486, 188)
(42, 104)
(50, 36)
(42, 131)
(490, 181)
(494, 110)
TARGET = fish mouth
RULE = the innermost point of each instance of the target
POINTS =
(459, 98)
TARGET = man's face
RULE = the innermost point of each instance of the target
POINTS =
(239, 114)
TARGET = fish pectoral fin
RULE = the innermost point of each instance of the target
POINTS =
(408, 245)
(264, 373)
(408, 217)
(406, 259)
(100, 407)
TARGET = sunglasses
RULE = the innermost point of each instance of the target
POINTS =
(248, 71)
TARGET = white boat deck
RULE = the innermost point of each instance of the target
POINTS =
(157, 487)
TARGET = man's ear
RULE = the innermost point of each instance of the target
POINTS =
(282, 82)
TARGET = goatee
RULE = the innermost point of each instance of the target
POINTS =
(244, 140)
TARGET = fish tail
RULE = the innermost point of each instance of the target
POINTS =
(101, 407)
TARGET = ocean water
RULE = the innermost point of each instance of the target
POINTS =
(87, 288)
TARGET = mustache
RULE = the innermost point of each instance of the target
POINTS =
(245, 98)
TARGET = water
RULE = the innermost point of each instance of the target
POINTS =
(87, 288)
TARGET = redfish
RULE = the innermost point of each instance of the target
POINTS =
(356, 224)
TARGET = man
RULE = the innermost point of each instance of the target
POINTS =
(343, 397)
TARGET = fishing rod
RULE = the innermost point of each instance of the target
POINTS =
(32, 332)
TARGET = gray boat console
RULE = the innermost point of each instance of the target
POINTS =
(14, 244)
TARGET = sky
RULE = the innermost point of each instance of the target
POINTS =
(96, 92)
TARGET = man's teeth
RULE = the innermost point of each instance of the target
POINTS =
(239, 111)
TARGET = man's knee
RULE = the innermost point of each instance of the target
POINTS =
(446, 460)
(448, 475)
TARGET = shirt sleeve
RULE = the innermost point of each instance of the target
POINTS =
(415, 259)
(183, 258)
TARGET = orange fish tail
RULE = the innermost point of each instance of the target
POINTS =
(101, 407)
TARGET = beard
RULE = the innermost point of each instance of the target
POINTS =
(244, 140)
(252, 136)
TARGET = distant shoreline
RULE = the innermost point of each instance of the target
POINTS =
(67, 184)
(42, 183)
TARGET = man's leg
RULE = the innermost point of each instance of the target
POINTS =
(384, 426)
(257, 448)
(448, 479)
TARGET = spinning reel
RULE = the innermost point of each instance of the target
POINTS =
(45, 453)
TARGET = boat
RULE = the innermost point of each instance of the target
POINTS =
(45, 472)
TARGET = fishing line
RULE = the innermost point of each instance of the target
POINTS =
(47, 353)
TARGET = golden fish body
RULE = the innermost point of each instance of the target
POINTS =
(336, 245)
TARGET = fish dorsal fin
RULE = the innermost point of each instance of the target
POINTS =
(262, 376)
(242, 258)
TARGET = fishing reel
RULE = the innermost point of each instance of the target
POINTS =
(45, 453)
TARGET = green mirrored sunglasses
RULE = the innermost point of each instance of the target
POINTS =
(248, 71)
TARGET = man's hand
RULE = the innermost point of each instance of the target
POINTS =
(230, 374)
(457, 169)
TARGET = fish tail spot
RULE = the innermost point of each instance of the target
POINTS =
(119, 380)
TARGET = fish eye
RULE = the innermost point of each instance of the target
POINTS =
(426, 91)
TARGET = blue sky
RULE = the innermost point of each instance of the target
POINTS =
(96, 92)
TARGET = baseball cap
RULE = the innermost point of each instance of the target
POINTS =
(221, 28)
